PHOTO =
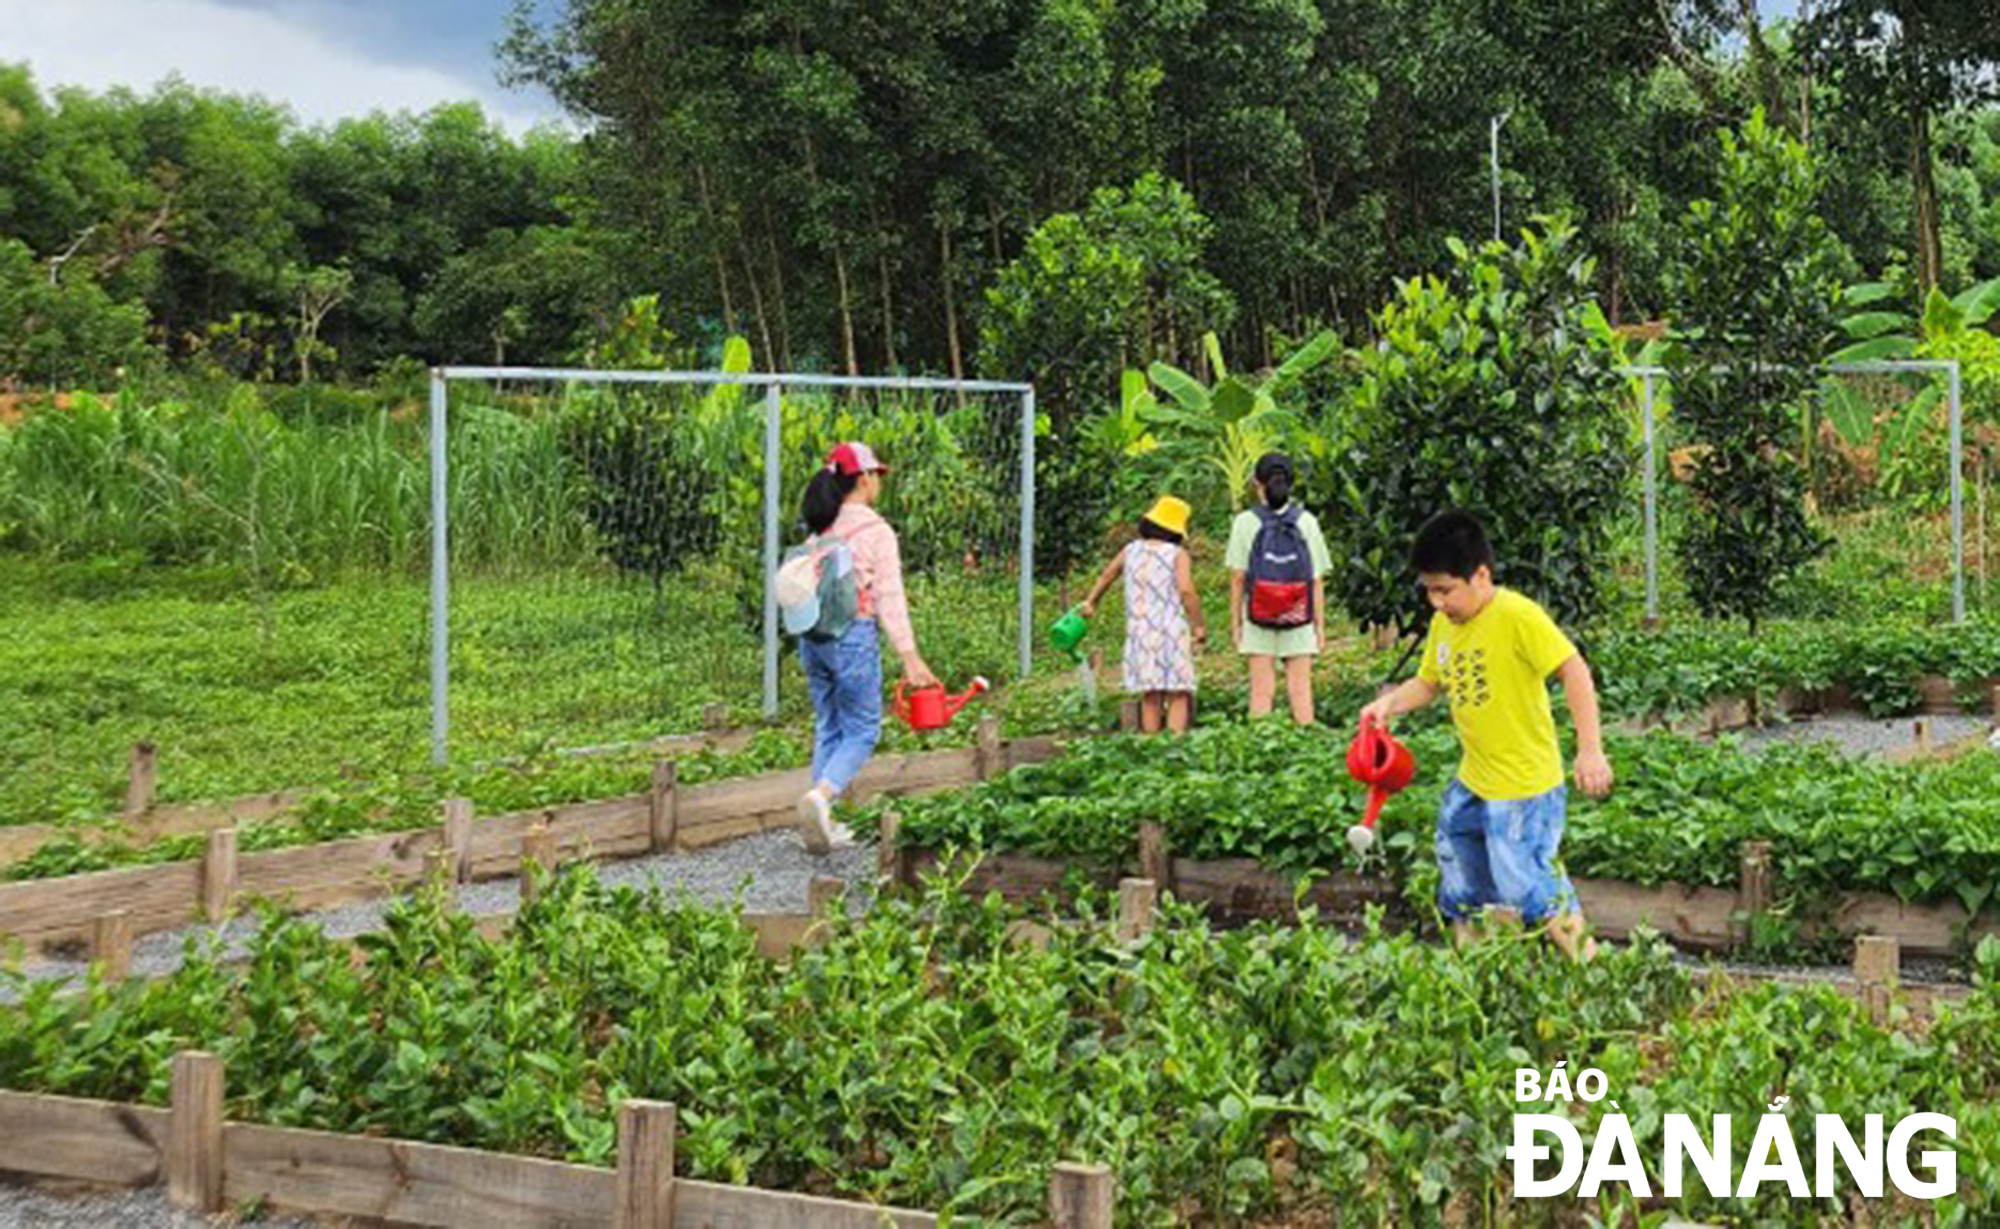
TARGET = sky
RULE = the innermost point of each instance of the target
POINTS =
(325, 58)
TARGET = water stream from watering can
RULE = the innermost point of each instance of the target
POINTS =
(1086, 679)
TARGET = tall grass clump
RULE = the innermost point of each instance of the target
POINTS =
(232, 483)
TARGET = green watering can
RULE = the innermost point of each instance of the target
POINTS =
(1068, 633)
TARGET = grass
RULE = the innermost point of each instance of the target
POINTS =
(308, 686)
(242, 696)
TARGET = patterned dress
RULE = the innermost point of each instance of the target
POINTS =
(1159, 646)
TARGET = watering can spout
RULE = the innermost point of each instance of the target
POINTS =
(1385, 766)
(929, 708)
(953, 703)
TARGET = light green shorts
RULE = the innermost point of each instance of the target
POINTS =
(1273, 642)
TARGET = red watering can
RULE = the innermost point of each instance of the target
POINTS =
(1382, 764)
(929, 708)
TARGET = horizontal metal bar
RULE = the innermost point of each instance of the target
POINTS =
(1884, 365)
(755, 379)
(1924, 364)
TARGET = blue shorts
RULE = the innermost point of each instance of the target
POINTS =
(1502, 853)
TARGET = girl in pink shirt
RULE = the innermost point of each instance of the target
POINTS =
(845, 675)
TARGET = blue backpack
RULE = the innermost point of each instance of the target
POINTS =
(819, 592)
(1280, 575)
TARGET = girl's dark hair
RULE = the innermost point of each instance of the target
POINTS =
(1274, 474)
(1153, 531)
(824, 495)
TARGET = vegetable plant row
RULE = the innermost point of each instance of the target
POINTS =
(406, 802)
(1927, 831)
(920, 1057)
(1879, 664)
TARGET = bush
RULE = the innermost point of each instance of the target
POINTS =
(1495, 392)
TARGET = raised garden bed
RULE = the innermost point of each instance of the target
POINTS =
(669, 816)
(924, 1057)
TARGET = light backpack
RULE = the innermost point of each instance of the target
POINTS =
(819, 592)
(1280, 576)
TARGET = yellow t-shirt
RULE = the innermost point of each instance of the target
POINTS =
(1495, 669)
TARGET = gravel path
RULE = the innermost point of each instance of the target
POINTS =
(29, 1208)
(1914, 970)
(771, 870)
(1859, 736)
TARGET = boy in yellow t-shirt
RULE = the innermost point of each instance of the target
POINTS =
(1492, 651)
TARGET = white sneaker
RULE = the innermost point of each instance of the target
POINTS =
(816, 822)
(842, 836)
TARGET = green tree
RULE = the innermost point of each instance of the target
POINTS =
(1081, 303)
(1908, 62)
(1759, 282)
(65, 332)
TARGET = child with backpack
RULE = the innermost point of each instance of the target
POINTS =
(1278, 563)
(1492, 651)
(840, 593)
(1163, 622)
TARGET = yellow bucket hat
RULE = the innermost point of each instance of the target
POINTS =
(1170, 514)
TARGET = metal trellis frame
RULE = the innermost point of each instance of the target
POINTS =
(774, 384)
(1649, 374)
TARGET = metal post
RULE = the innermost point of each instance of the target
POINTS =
(1027, 530)
(774, 426)
(1652, 512)
(1497, 121)
(1957, 501)
(440, 581)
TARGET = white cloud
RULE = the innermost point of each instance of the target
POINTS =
(137, 43)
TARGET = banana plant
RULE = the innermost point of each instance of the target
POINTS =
(1881, 334)
(1950, 326)
(1216, 432)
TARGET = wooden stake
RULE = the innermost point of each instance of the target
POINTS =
(666, 804)
(1878, 959)
(194, 1136)
(715, 717)
(1877, 966)
(142, 780)
(1154, 862)
(891, 862)
(990, 752)
(1920, 733)
(645, 1198)
(1753, 889)
(1080, 1197)
(1137, 899)
(538, 854)
(218, 874)
(458, 837)
(823, 896)
(111, 945)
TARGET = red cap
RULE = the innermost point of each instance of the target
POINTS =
(854, 458)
